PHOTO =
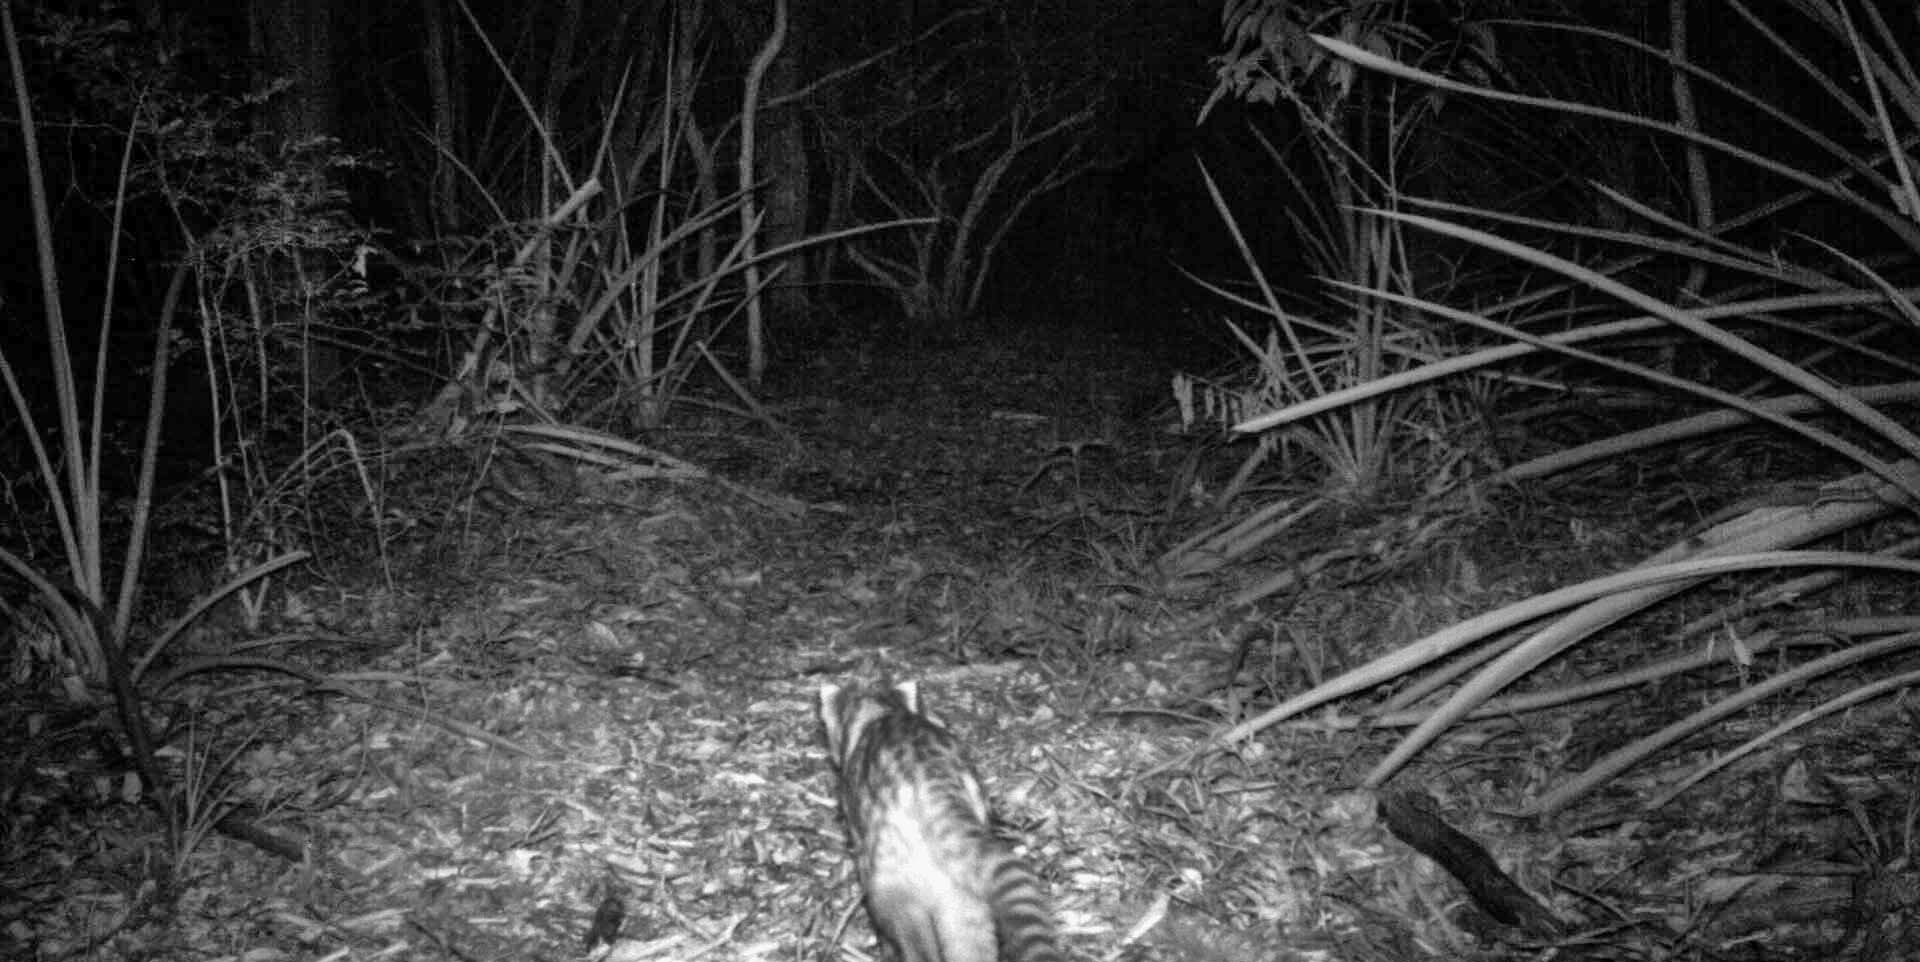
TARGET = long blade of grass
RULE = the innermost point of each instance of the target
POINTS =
(165, 637)
(1760, 357)
(1883, 119)
(1736, 92)
(1601, 613)
(1442, 643)
(1892, 219)
(131, 562)
(79, 537)
(555, 161)
(1825, 438)
(1705, 247)
(1489, 356)
(1839, 703)
(1627, 756)
(1272, 301)
(89, 503)
(1509, 706)
(1700, 424)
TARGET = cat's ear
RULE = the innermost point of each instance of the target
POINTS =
(909, 692)
(833, 720)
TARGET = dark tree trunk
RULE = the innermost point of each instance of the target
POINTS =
(293, 39)
(784, 154)
(443, 87)
(780, 138)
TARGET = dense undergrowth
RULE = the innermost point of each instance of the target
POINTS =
(1529, 582)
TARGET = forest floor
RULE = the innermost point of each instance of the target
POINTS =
(568, 716)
